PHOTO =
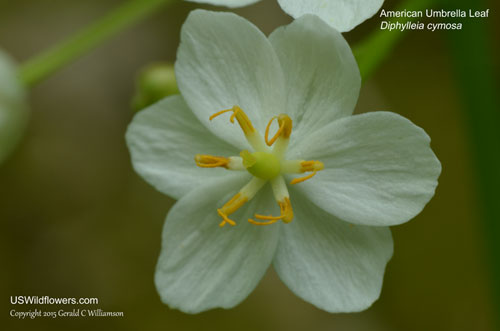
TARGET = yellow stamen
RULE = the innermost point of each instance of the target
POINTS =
(210, 161)
(251, 221)
(285, 128)
(241, 117)
(248, 159)
(230, 207)
(311, 166)
(266, 134)
(286, 214)
(225, 219)
(233, 115)
(303, 179)
(219, 113)
(305, 166)
(269, 218)
(286, 210)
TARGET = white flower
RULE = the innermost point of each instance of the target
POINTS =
(373, 170)
(344, 15)
(13, 107)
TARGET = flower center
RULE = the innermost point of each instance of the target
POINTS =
(265, 164)
(260, 164)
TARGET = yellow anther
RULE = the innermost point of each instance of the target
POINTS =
(241, 117)
(303, 179)
(225, 219)
(286, 214)
(248, 159)
(234, 204)
(251, 221)
(236, 110)
(285, 128)
(286, 210)
(209, 161)
(266, 134)
(311, 166)
(230, 207)
(269, 218)
(219, 113)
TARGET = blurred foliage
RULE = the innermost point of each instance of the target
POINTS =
(472, 55)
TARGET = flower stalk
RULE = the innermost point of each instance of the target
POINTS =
(49, 61)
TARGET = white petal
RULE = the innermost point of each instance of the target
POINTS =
(329, 263)
(163, 140)
(379, 169)
(13, 107)
(224, 60)
(227, 3)
(322, 77)
(203, 266)
(343, 15)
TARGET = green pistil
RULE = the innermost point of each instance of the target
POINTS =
(262, 165)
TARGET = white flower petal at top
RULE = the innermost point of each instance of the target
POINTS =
(13, 107)
(373, 169)
(343, 15)
(217, 66)
(227, 3)
(314, 98)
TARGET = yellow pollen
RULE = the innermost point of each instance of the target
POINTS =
(285, 129)
(311, 166)
(241, 117)
(286, 214)
(286, 210)
(303, 179)
(225, 219)
(209, 161)
(219, 113)
(270, 142)
(230, 207)
(251, 221)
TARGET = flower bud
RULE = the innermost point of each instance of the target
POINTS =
(154, 83)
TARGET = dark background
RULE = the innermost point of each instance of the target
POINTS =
(77, 221)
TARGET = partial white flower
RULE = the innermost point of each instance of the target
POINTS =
(334, 181)
(227, 3)
(13, 107)
(344, 15)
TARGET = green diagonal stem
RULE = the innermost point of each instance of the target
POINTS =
(46, 63)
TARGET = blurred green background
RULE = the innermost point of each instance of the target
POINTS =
(77, 221)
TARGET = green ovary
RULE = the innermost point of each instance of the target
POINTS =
(263, 165)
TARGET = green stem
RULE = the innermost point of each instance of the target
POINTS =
(49, 61)
(372, 51)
